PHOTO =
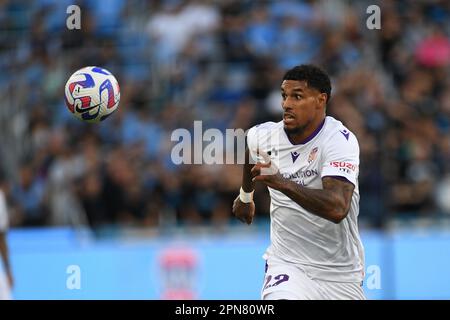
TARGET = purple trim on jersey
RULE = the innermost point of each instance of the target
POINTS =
(308, 139)
(341, 178)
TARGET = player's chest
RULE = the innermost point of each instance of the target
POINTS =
(301, 165)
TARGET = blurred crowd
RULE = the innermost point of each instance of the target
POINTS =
(220, 62)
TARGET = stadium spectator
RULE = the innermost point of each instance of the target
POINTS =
(210, 61)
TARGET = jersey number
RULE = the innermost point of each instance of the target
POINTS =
(276, 280)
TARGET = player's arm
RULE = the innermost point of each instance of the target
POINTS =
(4, 254)
(245, 211)
(331, 203)
(5, 257)
(247, 182)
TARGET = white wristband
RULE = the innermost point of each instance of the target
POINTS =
(246, 197)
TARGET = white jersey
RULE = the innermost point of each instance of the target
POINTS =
(322, 249)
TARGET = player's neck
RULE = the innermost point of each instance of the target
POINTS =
(306, 135)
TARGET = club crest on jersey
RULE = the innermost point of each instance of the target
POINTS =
(312, 155)
(294, 155)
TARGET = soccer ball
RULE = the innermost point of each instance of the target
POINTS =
(92, 94)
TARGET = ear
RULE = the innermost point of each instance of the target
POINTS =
(322, 99)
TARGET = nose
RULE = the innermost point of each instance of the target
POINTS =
(286, 105)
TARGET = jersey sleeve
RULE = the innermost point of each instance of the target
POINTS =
(341, 157)
(260, 137)
(252, 143)
(3, 213)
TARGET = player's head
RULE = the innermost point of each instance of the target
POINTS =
(306, 90)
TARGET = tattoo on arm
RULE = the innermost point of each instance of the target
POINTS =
(342, 187)
(331, 203)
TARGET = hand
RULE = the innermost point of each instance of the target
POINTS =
(267, 172)
(244, 211)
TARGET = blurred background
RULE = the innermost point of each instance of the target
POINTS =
(108, 198)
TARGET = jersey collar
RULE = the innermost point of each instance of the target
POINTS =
(310, 137)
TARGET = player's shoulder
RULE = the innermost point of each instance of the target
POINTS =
(337, 132)
(269, 125)
(263, 134)
(265, 128)
(338, 136)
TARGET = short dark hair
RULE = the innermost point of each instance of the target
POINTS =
(314, 76)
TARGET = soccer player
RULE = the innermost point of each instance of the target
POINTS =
(5, 282)
(310, 164)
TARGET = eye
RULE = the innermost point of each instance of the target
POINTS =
(298, 97)
(283, 95)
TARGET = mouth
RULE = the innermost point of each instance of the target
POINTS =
(288, 118)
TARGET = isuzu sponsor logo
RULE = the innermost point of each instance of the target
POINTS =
(342, 164)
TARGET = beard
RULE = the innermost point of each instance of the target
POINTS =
(295, 130)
